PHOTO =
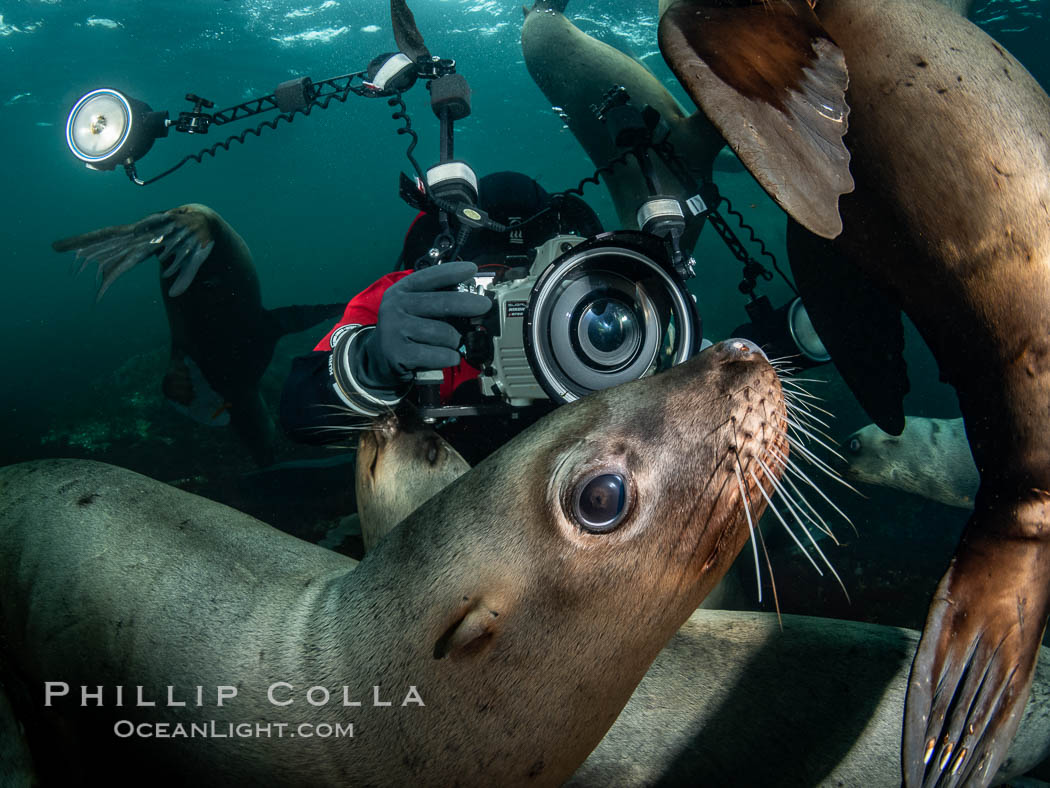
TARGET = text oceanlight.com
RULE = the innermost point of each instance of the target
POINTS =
(126, 729)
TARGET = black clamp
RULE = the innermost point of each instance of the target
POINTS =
(195, 122)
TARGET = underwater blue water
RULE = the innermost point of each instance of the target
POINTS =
(316, 200)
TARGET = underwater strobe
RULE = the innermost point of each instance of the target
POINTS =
(106, 128)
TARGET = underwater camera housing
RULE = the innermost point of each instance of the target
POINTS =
(585, 315)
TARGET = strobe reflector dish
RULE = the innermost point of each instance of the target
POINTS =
(106, 128)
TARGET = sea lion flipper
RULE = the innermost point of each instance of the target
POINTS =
(974, 666)
(859, 325)
(188, 262)
(186, 389)
(293, 319)
(119, 248)
(407, 36)
(774, 83)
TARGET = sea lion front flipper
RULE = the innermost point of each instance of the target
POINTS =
(119, 248)
(253, 424)
(774, 83)
(181, 241)
(857, 322)
(974, 666)
(406, 35)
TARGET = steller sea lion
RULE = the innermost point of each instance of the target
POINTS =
(222, 339)
(574, 70)
(508, 619)
(931, 457)
(401, 464)
(948, 222)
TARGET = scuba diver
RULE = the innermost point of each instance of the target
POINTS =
(400, 325)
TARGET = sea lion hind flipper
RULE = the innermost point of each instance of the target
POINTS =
(187, 390)
(119, 248)
(976, 660)
(293, 319)
(253, 424)
(858, 323)
(774, 84)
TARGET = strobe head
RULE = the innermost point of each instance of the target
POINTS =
(662, 216)
(106, 128)
(609, 310)
(453, 182)
(784, 332)
(391, 72)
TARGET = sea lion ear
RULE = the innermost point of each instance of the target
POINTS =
(469, 634)
(857, 322)
(774, 84)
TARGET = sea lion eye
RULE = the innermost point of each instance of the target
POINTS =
(854, 445)
(601, 502)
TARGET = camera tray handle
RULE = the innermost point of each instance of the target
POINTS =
(428, 385)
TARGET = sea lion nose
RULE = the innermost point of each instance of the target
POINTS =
(742, 349)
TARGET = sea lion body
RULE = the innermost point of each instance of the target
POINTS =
(931, 458)
(742, 698)
(522, 631)
(222, 339)
(949, 223)
(574, 71)
(950, 217)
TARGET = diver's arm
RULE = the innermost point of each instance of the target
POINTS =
(371, 367)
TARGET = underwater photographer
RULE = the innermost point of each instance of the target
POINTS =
(399, 325)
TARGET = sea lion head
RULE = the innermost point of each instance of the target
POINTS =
(629, 495)
(401, 463)
(567, 559)
(930, 457)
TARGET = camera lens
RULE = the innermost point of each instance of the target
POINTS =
(608, 333)
(601, 315)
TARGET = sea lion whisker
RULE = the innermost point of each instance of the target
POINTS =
(803, 397)
(816, 546)
(750, 524)
(801, 476)
(808, 423)
(783, 522)
(823, 467)
(799, 392)
(800, 408)
(341, 409)
(820, 464)
(685, 521)
(815, 517)
(341, 428)
(812, 406)
(766, 555)
(813, 437)
(795, 399)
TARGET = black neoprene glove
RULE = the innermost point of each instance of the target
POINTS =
(407, 337)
